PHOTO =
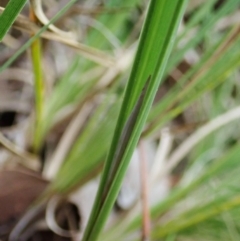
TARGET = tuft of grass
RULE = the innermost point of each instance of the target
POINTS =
(121, 108)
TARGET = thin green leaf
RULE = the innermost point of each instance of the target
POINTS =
(8, 16)
(159, 31)
(225, 9)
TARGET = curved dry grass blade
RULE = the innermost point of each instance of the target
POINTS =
(22, 23)
(98, 10)
(66, 142)
(26, 221)
(17, 74)
(29, 160)
(37, 35)
(199, 135)
(37, 7)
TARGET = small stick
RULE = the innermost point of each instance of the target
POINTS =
(146, 222)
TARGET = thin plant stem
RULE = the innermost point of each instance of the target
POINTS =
(28, 159)
(146, 223)
(38, 85)
(197, 218)
(66, 142)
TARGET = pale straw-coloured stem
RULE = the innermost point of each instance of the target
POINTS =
(199, 135)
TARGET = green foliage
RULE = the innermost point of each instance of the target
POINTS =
(159, 31)
(8, 16)
(204, 204)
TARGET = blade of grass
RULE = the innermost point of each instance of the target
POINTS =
(199, 135)
(201, 215)
(197, 17)
(42, 18)
(195, 71)
(96, 136)
(38, 84)
(148, 62)
(10, 13)
(28, 159)
(203, 79)
(225, 9)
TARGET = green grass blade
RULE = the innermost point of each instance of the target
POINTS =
(214, 209)
(39, 90)
(96, 138)
(197, 17)
(225, 9)
(201, 78)
(228, 160)
(159, 31)
(8, 16)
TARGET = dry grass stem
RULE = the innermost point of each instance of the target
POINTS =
(22, 23)
(66, 142)
(146, 223)
(197, 136)
(29, 160)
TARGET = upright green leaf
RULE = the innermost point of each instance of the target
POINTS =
(156, 42)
